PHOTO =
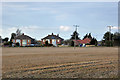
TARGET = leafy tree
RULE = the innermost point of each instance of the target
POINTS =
(108, 39)
(10, 43)
(13, 35)
(67, 42)
(72, 43)
(6, 39)
(108, 36)
(116, 35)
(108, 43)
(116, 39)
(75, 34)
(46, 43)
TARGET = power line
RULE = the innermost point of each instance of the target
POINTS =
(110, 27)
(75, 34)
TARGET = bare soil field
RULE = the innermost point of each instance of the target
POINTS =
(53, 62)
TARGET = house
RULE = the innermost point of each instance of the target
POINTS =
(23, 40)
(52, 39)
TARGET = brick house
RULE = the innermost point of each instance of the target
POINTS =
(52, 39)
(23, 40)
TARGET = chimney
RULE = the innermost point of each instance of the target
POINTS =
(52, 33)
(58, 35)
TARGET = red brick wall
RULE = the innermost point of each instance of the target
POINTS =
(28, 43)
(51, 41)
(59, 41)
(21, 42)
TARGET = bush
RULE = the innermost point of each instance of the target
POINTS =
(108, 43)
(72, 43)
(17, 44)
(46, 43)
(50, 45)
(6, 44)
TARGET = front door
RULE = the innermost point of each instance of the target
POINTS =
(54, 42)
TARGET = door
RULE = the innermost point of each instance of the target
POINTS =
(54, 42)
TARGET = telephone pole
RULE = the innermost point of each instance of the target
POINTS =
(110, 27)
(75, 34)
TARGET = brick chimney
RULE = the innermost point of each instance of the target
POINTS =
(52, 34)
(58, 35)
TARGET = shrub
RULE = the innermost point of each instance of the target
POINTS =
(17, 44)
(72, 43)
(108, 43)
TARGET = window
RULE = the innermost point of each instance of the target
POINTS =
(28, 41)
(48, 40)
(43, 40)
(58, 40)
(53, 40)
(24, 42)
(13, 41)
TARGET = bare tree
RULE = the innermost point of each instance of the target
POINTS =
(18, 32)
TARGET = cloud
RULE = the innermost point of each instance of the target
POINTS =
(64, 28)
(14, 5)
(0, 31)
(114, 27)
(62, 17)
(6, 32)
(29, 27)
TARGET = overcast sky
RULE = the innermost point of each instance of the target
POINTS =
(38, 19)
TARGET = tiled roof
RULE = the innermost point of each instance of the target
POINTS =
(23, 37)
(85, 41)
(52, 37)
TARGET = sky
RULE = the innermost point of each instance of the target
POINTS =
(38, 19)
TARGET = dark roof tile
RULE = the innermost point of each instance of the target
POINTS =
(23, 37)
(52, 37)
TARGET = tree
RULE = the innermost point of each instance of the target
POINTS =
(108, 39)
(87, 36)
(73, 35)
(13, 35)
(18, 32)
(5, 39)
(116, 39)
(108, 36)
(94, 41)
(46, 43)
(67, 42)
(116, 35)
(72, 43)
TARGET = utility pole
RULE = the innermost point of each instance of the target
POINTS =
(110, 27)
(75, 34)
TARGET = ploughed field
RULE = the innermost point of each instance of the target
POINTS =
(53, 62)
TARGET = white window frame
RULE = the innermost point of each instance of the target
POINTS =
(58, 40)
